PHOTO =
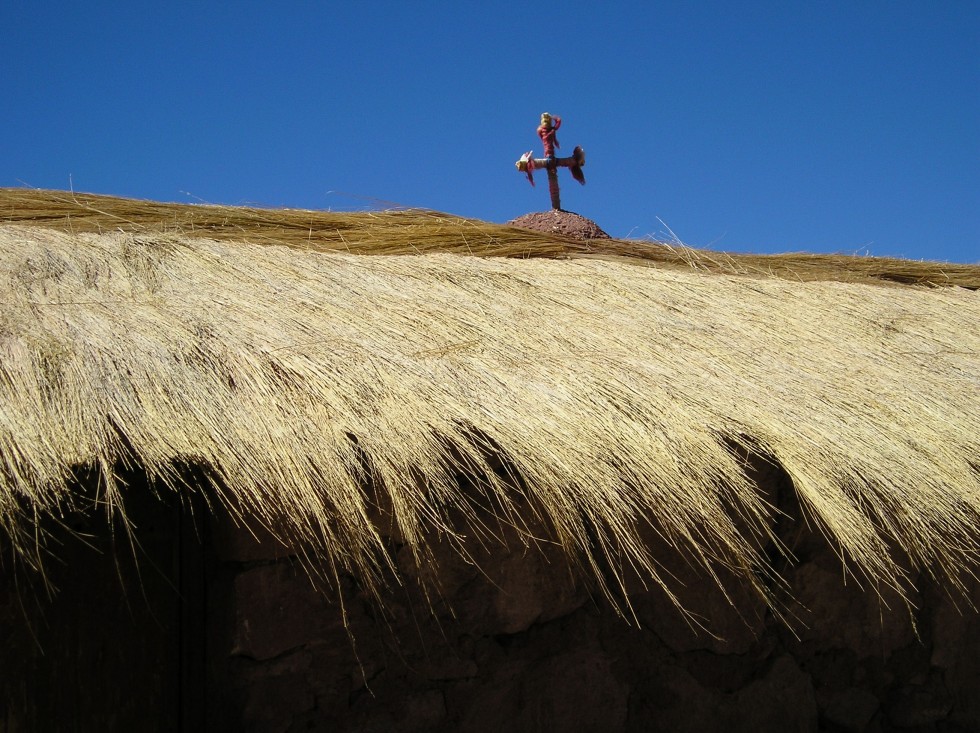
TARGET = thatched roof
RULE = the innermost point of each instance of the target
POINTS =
(620, 395)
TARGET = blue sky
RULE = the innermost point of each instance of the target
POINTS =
(745, 126)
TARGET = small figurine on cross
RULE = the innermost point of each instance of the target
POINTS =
(546, 131)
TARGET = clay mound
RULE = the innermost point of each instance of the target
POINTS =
(557, 221)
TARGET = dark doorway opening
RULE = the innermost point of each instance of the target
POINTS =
(109, 632)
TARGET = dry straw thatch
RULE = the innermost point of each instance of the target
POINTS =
(621, 396)
(423, 232)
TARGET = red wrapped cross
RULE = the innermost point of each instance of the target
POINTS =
(546, 131)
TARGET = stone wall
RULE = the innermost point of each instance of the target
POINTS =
(516, 641)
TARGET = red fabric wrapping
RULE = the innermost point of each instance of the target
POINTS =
(548, 138)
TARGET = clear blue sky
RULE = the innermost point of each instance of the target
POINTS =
(746, 126)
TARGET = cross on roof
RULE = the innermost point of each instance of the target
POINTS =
(527, 164)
